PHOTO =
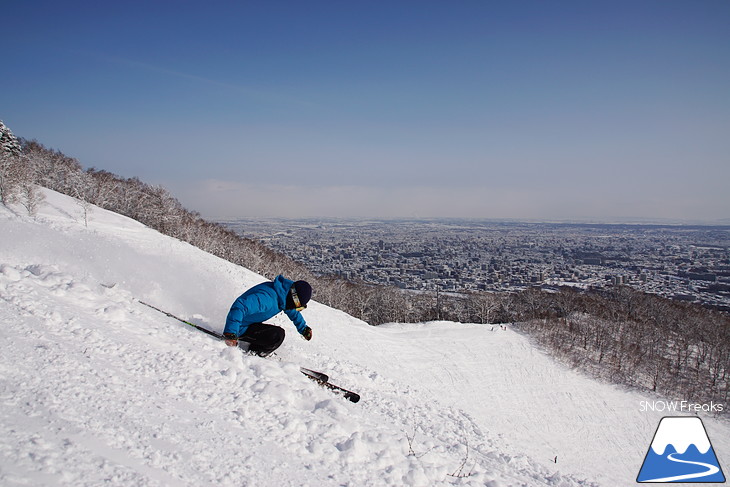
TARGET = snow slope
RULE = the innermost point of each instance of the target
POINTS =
(97, 388)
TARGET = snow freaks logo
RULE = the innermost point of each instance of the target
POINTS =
(680, 407)
(681, 452)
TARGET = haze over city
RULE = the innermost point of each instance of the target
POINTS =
(600, 111)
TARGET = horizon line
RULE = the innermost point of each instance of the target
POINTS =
(628, 221)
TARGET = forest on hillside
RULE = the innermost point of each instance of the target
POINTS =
(618, 334)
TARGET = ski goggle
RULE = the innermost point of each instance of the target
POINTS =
(295, 298)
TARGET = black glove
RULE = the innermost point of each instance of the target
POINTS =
(307, 333)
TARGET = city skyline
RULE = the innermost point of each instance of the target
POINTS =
(688, 263)
(566, 111)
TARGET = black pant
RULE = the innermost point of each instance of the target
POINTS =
(262, 338)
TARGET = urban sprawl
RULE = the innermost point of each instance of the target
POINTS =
(690, 263)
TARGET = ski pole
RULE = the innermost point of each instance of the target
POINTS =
(204, 330)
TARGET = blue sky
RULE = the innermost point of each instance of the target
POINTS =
(595, 110)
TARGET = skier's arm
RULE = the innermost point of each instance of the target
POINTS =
(243, 307)
(298, 320)
(233, 320)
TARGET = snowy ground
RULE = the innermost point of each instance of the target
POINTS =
(96, 388)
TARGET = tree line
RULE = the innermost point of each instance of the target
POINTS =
(629, 337)
(620, 334)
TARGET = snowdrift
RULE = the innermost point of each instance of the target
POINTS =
(97, 388)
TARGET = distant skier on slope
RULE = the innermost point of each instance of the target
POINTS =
(264, 301)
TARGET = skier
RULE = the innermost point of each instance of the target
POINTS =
(261, 302)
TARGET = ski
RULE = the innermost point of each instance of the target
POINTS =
(314, 374)
(317, 377)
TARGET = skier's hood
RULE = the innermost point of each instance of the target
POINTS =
(282, 285)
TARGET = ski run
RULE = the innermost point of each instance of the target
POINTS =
(98, 389)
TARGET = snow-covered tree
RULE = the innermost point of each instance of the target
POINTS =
(30, 194)
(10, 176)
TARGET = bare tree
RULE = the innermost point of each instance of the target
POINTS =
(484, 306)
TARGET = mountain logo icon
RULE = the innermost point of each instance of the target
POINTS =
(681, 452)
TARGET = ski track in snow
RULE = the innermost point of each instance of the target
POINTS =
(96, 388)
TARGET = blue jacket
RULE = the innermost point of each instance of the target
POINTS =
(260, 303)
